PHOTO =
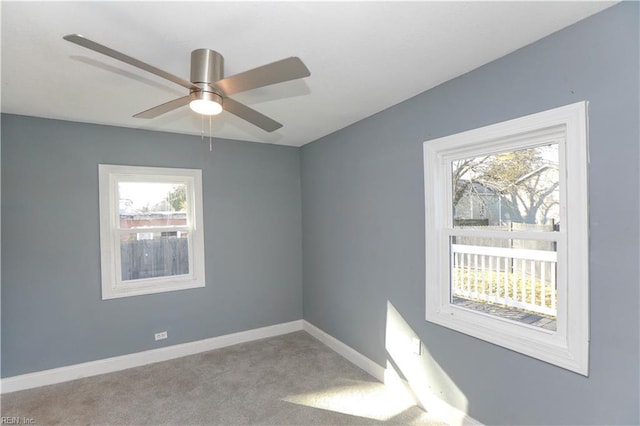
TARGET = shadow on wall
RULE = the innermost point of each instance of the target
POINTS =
(409, 362)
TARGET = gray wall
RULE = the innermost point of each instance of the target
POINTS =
(363, 226)
(52, 314)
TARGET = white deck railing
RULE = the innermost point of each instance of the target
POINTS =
(518, 278)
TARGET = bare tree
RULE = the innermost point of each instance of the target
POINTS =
(526, 181)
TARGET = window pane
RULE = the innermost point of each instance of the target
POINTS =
(508, 278)
(512, 191)
(145, 204)
(154, 254)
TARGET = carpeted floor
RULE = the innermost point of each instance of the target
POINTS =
(286, 380)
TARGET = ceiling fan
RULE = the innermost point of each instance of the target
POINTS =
(209, 90)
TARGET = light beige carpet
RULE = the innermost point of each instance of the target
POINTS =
(287, 380)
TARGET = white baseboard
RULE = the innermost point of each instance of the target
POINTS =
(109, 365)
(436, 406)
(345, 351)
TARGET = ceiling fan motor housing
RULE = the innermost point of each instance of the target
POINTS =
(206, 68)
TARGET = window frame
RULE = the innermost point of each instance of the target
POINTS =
(568, 345)
(111, 279)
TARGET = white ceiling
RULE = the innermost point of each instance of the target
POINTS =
(363, 56)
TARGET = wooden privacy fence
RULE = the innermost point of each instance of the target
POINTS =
(517, 278)
(157, 257)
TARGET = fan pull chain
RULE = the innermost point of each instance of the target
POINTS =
(210, 131)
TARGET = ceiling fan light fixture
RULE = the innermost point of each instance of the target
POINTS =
(208, 86)
(206, 103)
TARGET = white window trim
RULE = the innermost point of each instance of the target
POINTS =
(112, 285)
(568, 346)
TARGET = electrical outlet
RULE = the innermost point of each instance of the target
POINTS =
(161, 336)
(415, 346)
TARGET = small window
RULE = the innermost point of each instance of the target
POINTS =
(151, 233)
(507, 234)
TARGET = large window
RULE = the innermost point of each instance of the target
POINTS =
(151, 234)
(507, 234)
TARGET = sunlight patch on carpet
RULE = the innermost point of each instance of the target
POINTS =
(363, 399)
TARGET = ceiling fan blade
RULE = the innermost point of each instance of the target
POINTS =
(164, 108)
(97, 47)
(275, 72)
(250, 115)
